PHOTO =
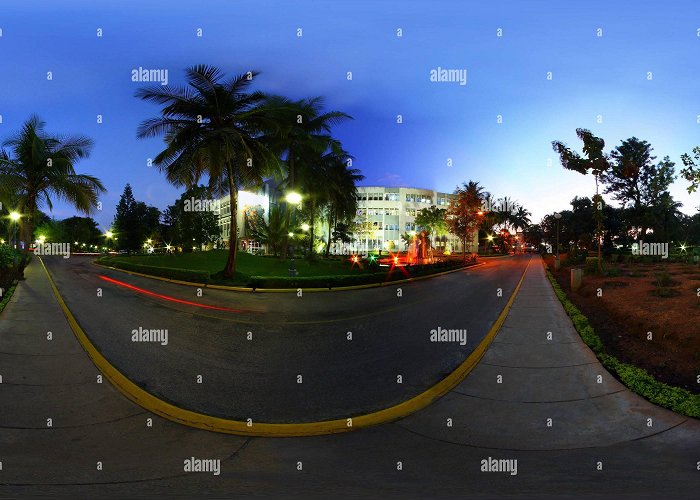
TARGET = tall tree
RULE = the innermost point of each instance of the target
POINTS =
(215, 128)
(196, 221)
(691, 172)
(432, 220)
(134, 221)
(341, 202)
(593, 161)
(637, 182)
(304, 138)
(81, 229)
(37, 166)
(462, 214)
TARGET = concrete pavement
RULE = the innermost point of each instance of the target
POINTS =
(599, 445)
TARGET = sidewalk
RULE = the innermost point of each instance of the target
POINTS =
(524, 380)
(90, 422)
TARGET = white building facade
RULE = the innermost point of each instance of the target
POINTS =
(390, 212)
(385, 213)
(260, 200)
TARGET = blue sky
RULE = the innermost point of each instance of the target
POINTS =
(591, 76)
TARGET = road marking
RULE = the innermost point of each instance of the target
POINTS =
(226, 426)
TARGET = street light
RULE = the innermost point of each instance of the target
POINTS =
(108, 235)
(293, 198)
(557, 216)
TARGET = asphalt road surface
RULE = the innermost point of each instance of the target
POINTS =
(280, 357)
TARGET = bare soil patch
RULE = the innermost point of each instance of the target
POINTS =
(641, 298)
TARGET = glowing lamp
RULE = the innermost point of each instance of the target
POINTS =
(293, 198)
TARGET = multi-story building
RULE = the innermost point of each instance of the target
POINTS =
(387, 213)
(260, 200)
(384, 213)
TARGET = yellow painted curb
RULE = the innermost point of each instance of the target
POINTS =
(226, 426)
(287, 290)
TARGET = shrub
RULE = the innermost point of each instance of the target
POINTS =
(663, 279)
(575, 256)
(337, 281)
(592, 265)
(193, 275)
(613, 272)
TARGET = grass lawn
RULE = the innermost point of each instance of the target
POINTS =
(248, 264)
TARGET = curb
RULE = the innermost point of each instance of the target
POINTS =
(288, 290)
(216, 424)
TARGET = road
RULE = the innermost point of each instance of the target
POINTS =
(282, 358)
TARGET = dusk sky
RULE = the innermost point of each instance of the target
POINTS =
(507, 76)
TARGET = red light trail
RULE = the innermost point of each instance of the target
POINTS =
(166, 297)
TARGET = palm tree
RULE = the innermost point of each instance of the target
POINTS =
(303, 137)
(595, 162)
(341, 204)
(273, 232)
(214, 128)
(37, 166)
(520, 218)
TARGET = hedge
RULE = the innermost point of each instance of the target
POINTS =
(7, 295)
(193, 275)
(636, 379)
(336, 281)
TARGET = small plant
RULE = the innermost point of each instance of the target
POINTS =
(663, 279)
(613, 272)
(592, 266)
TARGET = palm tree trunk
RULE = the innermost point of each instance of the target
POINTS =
(288, 210)
(330, 233)
(311, 230)
(26, 230)
(230, 268)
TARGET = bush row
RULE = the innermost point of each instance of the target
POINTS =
(336, 281)
(7, 295)
(193, 275)
(636, 379)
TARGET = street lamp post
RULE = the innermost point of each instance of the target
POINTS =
(557, 264)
